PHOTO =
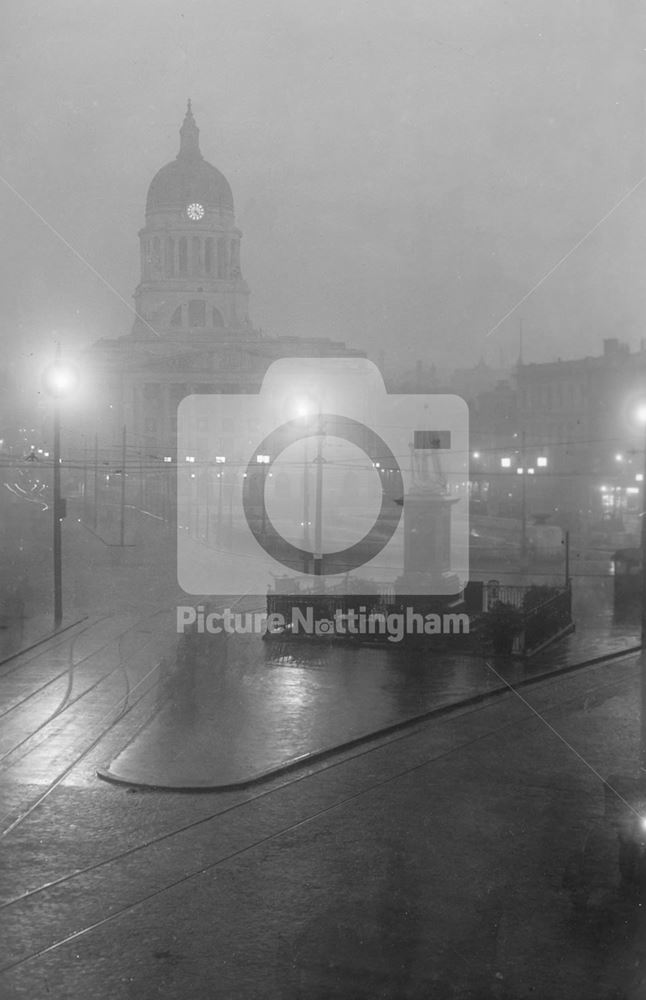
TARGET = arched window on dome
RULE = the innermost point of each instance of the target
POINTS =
(222, 258)
(196, 254)
(197, 312)
(208, 255)
(170, 257)
(217, 317)
(183, 256)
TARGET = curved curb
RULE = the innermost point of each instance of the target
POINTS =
(105, 774)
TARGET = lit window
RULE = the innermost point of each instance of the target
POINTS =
(506, 463)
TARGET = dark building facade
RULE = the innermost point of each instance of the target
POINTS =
(584, 416)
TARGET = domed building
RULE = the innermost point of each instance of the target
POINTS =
(191, 332)
(190, 250)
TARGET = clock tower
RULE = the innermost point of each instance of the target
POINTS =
(191, 332)
(191, 286)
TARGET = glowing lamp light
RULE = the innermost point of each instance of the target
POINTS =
(302, 407)
(619, 457)
(640, 413)
(476, 454)
(60, 379)
(520, 471)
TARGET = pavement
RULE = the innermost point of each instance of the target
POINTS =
(244, 709)
(428, 866)
(427, 859)
(234, 709)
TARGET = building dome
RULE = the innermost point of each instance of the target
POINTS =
(188, 178)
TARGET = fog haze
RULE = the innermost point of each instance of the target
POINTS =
(404, 173)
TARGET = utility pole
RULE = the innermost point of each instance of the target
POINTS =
(318, 511)
(58, 516)
(122, 532)
(84, 478)
(96, 482)
(642, 741)
(58, 379)
(523, 502)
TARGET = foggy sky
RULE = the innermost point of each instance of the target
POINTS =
(404, 171)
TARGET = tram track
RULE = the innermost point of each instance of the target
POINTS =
(38, 895)
(43, 730)
(122, 706)
(69, 669)
(24, 813)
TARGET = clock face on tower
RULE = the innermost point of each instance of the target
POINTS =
(195, 211)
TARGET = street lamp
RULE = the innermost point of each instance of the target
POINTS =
(307, 408)
(523, 471)
(263, 461)
(640, 415)
(59, 380)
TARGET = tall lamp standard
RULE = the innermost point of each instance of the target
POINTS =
(59, 379)
(523, 471)
(641, 418)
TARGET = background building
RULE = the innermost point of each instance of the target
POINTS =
(583, 416)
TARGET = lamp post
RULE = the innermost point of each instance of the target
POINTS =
(308, 409)
(523, 471)
(523, 513)
(263, 461)
(59, 380)
(641, 418)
